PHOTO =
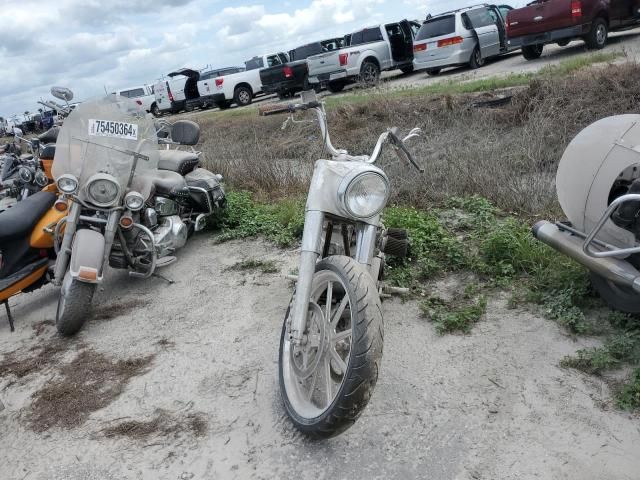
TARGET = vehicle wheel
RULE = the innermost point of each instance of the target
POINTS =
(597, 37)
(564, 43)
(73, 305)
(369, 74)
(336, 87)
(476, 60)
(243, 96)
(617, 297)
(155, 111)
(408, 69)
(532, 52)
(432, 72)
(188, 107)
(327, 383)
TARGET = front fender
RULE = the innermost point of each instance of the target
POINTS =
(87, 254)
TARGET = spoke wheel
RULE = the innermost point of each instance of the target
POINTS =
(327, 380)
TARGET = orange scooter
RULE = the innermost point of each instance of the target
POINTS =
(27, 242)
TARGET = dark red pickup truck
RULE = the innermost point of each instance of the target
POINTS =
(560, 21)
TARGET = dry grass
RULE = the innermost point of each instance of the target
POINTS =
(508, 155)
(163, 424)
(88, 383)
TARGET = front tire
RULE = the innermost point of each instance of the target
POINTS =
(597, 37)
(73, 305)
(155, 110)
(243, 96)
(532, 52)
(327, 383)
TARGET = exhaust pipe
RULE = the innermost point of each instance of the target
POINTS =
(616, 270)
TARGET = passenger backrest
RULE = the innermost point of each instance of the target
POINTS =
(185, 132)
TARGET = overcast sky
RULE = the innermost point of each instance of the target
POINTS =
(90, 45)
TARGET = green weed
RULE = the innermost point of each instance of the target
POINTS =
(628, 398)
(452, 318)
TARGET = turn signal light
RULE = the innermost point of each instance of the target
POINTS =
(420, 47)
(126, 222)
(88, 274)
(61, 206)
(447, 42)
(344, 59)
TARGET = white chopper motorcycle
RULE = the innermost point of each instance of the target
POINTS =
(598, 184)
(332, 336)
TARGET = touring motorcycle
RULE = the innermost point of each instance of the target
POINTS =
(132, 206)
(598, 185)
(332, 336)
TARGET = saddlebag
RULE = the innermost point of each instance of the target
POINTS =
(206, 190)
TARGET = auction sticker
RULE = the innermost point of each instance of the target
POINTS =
(113, 129)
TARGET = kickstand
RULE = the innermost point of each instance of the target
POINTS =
(6, 305)
(162, 277)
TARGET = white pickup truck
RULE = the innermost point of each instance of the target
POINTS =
(239, 88)
(143, 95)
(370, 51)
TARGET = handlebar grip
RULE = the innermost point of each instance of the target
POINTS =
(274, 109)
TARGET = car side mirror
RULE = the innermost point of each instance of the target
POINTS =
(62, 93)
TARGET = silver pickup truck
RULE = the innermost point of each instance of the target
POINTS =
(370, 51)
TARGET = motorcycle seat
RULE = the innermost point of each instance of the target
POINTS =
(178, 161)
(18, 221)
(170, 184)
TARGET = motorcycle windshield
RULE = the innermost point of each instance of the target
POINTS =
(103, 136)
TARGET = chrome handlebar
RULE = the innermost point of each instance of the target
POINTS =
(397, 143)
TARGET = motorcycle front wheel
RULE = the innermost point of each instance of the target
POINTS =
(74, 305)
(327, 382)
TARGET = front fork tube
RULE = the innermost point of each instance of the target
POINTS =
(311, 243)
(113, 223)
(64, 253)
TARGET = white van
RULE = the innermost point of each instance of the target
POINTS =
(143, 95)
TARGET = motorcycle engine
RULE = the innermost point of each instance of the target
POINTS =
(170, 235)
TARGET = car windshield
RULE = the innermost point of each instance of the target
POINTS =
(437, 27)
(102, 136)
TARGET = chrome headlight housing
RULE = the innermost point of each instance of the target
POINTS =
(41, 179)
(103, 190)
(25, 174)
(134, 201)
(364, 195)
(67, 184)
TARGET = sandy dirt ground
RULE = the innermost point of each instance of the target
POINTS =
(490, 405)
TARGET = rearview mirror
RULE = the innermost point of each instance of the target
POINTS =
(62, 93)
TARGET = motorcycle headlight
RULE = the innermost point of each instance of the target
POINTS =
(68, 184)
(25, 174)
(103, 190)
(41, 179)
(134, 201)
(365, 195)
